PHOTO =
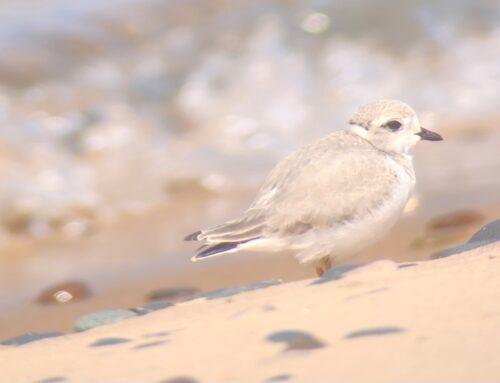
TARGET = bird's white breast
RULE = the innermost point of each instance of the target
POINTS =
(352, 236)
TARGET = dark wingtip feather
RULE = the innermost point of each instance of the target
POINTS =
(193, 236)
(207, 251)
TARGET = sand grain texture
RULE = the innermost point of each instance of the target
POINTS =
(435, 321)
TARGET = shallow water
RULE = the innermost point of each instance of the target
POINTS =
(125, 125)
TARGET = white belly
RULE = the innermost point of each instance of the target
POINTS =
(349, 238)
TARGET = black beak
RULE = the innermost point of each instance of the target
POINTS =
(429, 136)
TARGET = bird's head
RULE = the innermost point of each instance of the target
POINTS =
(390, 125)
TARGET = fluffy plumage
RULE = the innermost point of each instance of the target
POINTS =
(332, 197)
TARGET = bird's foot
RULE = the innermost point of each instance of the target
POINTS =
(323, 265)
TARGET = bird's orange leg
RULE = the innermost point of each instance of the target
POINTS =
(323, 265)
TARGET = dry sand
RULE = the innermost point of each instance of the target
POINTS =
(432, 321)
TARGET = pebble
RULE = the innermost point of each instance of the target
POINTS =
(100, 318)
(458, 249)
(296, 340)
(487, 234)
(29, 337)
(64, 293)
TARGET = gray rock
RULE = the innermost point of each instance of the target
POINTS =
(100, 318)
(29, 337)
(487, 234)
(458, 249)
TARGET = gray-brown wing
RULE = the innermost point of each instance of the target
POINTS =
(326, 183)
(248, 226)
(323, 183)
(331, 190)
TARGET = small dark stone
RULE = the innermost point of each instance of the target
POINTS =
(278, 378)
(29, 337)
(179, 379)
(149, 344)
(108, 342)
(54, 379)
(296, 340)
(173, 293)
(335, 273)
(100, 318)
(225, 293)
(64, 293)
(374, 331)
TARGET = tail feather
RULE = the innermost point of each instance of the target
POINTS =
(192, 236)
(251, 224)
(241, 236)
(211, 250)
(229, 236)
(218, 248)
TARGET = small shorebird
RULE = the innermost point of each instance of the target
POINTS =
(331, 198)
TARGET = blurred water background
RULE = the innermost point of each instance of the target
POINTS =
(125, 124)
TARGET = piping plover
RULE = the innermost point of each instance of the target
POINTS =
(331, 198)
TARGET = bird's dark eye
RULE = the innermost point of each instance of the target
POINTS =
(393, 125)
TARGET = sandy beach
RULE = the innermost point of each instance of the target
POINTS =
(128, 124)
(384, 322)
